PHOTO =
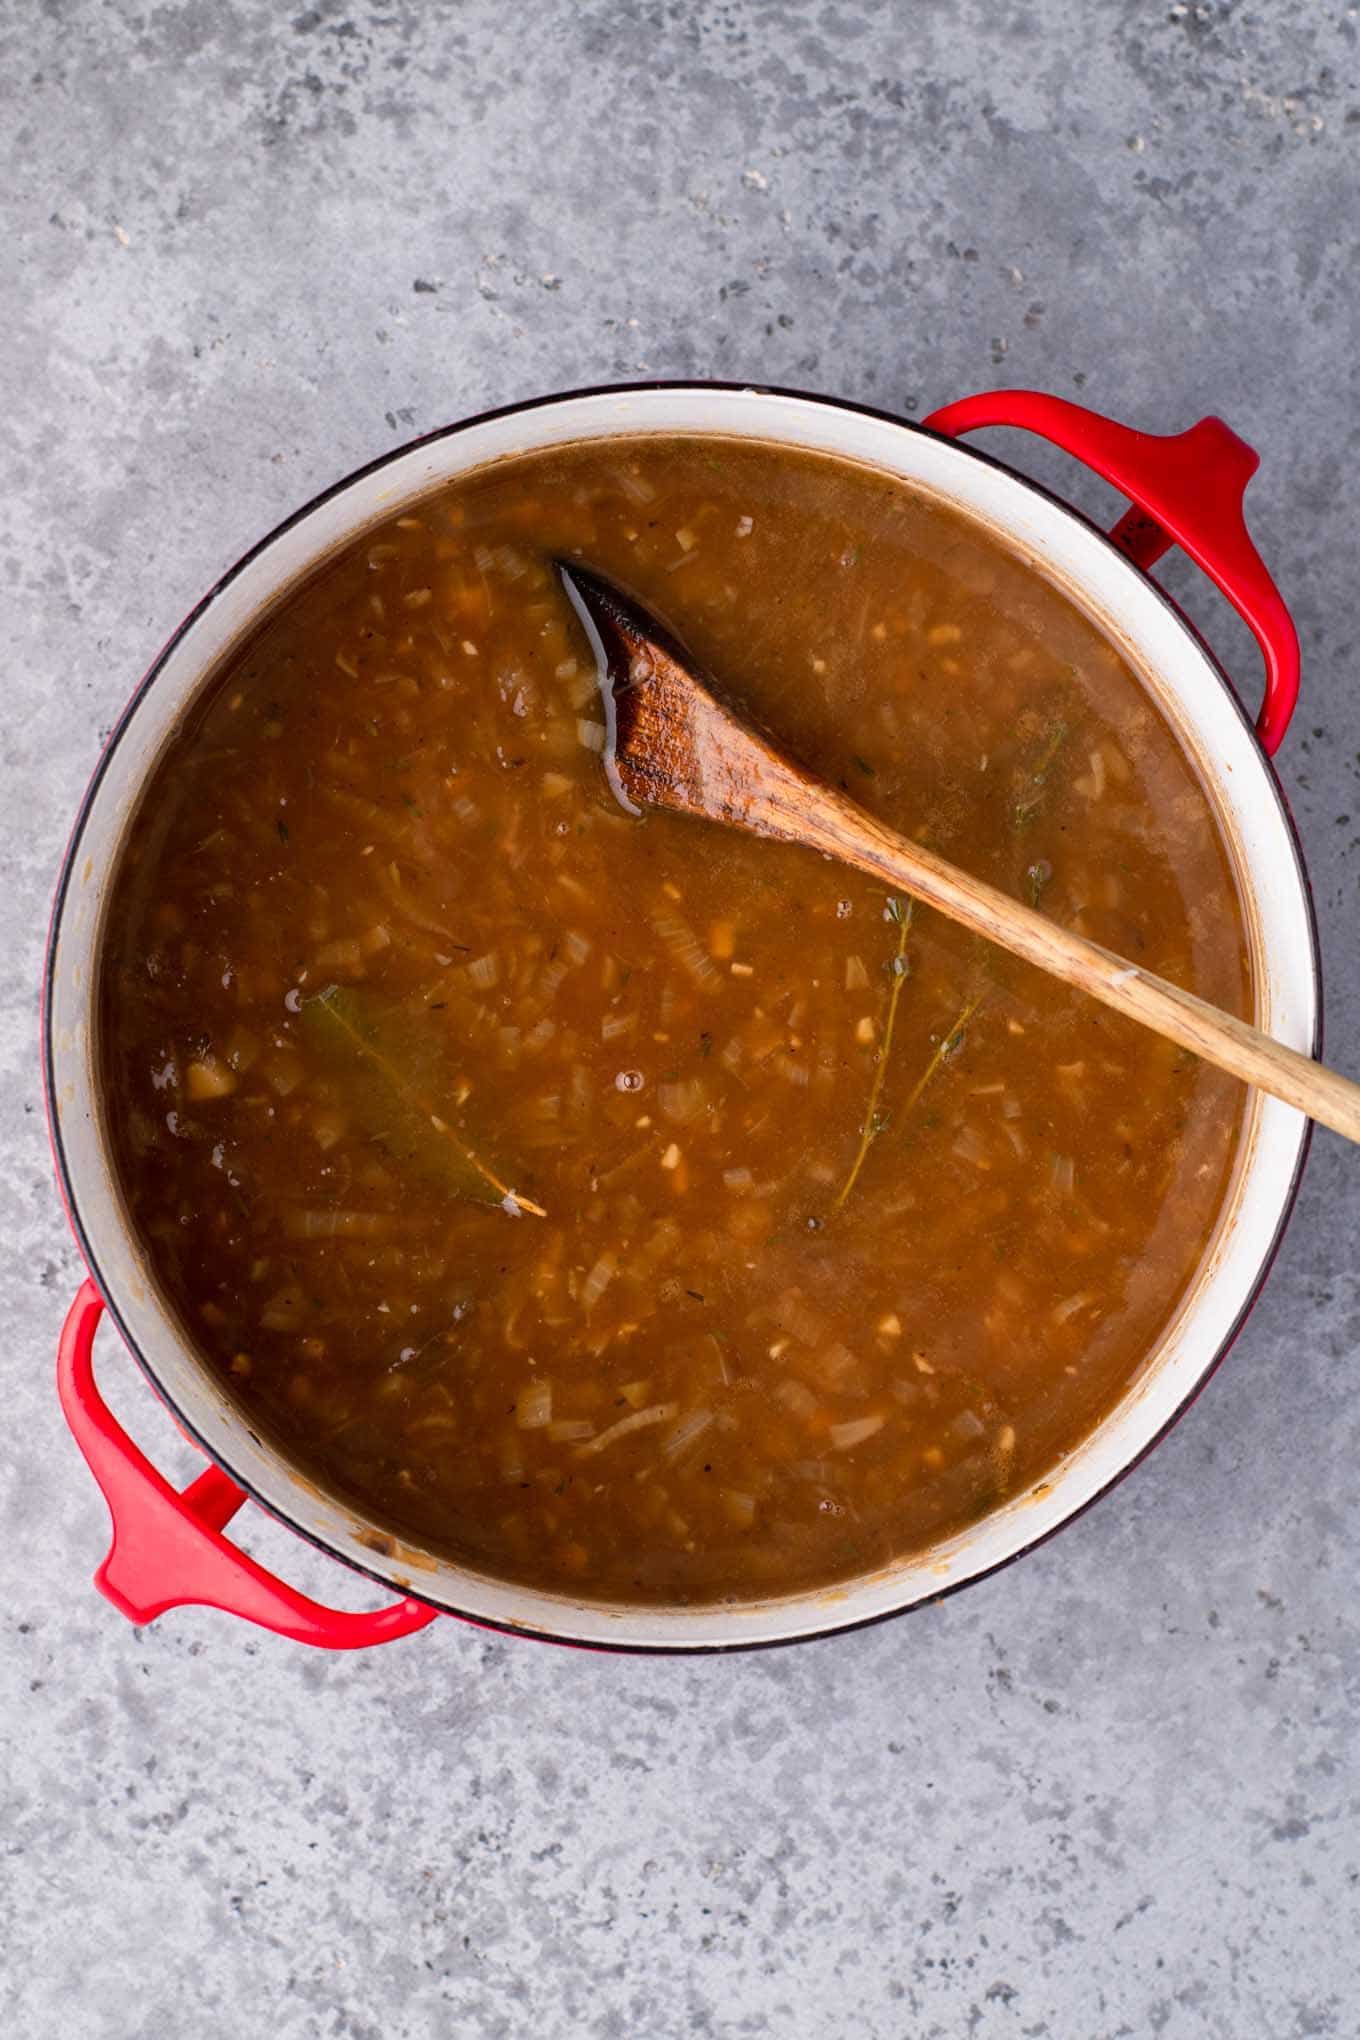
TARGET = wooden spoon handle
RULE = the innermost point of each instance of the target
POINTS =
(824, 820)
(676, 746)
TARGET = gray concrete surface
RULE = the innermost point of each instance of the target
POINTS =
(1112, 1792)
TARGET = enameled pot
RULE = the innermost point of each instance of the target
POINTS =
(168, 1548)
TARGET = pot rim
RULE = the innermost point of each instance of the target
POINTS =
(631, 1646)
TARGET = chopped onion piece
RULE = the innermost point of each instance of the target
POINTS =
(835, 1365)
(686, 1433)
(285, 1310)
(1092, 785)
(684, 945)
(845, 1436)
(969, 1146)
(345, 954)
(634, 487)
(665, 1238)
(209, 1078)
(581, 1090)
(682, 1101)
(797, 1398)
(598, 1280)
(533, 1406)
(582, 687)
(333, 1225)
(328, 1126)
(793, 1313)
(638, 1420)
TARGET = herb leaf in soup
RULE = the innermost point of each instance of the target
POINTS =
(1033, 777)
(875, 1121)
(372, 1060)
(1039, 875)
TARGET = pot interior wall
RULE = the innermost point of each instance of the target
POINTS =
(1059, 545)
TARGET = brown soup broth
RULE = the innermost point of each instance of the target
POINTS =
(851, 1225)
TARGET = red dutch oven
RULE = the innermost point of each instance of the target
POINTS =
(171, 1548)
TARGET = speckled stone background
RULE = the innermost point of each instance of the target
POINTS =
(1111, 1792)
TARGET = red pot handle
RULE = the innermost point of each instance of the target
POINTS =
(1185, 489)
(168, 1550)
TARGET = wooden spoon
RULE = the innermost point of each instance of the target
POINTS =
(672, 744)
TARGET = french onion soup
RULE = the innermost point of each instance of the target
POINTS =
(623, 1205)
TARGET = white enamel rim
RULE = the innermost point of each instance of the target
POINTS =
(1062, 546)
